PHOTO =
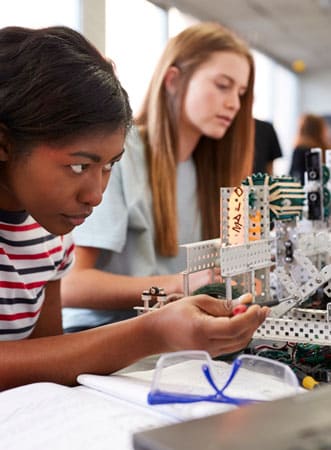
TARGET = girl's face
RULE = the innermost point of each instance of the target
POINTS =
(213, 94)
(59, 186)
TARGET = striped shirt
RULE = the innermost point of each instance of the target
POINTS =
(30, 257)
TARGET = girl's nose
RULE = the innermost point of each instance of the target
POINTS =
(233, 101)
(91, 191)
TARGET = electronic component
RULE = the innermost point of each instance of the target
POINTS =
(314, 184)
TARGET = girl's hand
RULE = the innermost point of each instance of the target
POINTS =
(204, 323)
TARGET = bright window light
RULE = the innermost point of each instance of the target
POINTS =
(136, 33)
(276, 94)
(263, 98)
(40, 13)
(286, 110)
(178, 21)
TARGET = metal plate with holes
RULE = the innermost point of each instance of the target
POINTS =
(300, 325)
(202, 255)
(237, 259)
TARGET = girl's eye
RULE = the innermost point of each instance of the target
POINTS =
(109, 166)
(222, 86)
(78, 168)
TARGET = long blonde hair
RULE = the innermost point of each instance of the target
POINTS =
(219, 162)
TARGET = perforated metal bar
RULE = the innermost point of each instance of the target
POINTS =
(238, 259)
(200, 256)
(297, 329)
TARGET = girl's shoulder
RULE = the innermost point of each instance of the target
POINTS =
(134, 155)
(134, 143)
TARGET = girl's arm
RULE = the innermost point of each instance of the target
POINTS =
(198, 322)
(50, 319)
(87, 287)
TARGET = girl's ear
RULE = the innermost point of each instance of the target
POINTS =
(171, 79)
(4, 143)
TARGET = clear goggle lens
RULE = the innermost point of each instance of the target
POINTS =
(193, 375)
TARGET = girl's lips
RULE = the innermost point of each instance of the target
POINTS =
(76, 220)
(224, 120)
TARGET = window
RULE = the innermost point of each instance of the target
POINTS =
(136, 32)
(276, 97)
(177, 21)
(40, 13)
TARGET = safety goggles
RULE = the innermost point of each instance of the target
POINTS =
(192, 376)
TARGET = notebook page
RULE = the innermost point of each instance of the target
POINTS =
(134, 388)
(49, 416)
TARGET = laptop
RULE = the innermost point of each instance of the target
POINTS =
(302, 422)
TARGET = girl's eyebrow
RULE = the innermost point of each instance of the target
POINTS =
(95, 158)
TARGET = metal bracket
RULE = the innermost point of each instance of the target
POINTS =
(299, 293)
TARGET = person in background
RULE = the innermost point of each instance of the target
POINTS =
(193, 134)
(267, 147)
(312, 133)
(61, 131)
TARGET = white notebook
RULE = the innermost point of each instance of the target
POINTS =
(102, 413)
